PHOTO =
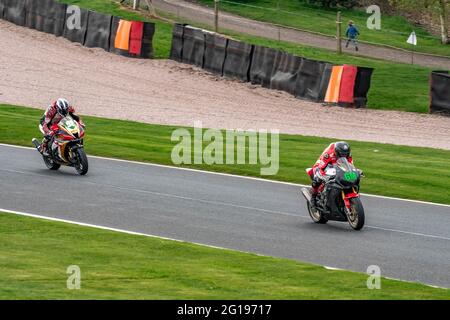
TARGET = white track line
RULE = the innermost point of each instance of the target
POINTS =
(173, 239)
(235, 176)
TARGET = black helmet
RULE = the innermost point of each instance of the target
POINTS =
(62, 106)
(342, 149)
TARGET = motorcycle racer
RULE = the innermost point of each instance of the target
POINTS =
(54, 113)
(329, 156)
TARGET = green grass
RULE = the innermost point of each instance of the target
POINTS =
(294, 13)
(35, 255)
(385, 93)
(399, 171)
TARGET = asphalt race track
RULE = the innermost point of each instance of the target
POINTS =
(407, 240)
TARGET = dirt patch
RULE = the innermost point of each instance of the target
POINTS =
(36, 67)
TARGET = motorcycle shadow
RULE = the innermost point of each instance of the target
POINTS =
(62, 172)
(331, 227)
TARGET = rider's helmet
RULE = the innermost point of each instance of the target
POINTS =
(342, 149)
(62, 106)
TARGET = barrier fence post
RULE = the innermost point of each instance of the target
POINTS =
(136, 4)
(279, 29)
(216, 15)
(339, 32)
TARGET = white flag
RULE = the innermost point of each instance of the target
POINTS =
(412, 38)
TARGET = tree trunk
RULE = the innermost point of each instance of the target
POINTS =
(443, 16)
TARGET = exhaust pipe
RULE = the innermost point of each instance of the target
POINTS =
(36, 143)
(307, 194)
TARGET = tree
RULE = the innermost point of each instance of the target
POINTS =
(439, 8)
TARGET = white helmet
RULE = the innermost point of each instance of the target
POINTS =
(62, 106)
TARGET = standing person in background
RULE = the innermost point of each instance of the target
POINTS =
(352, 33)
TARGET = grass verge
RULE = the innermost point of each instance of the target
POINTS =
(385, 92)
(35, 255)
(399, 171)
(394, 30)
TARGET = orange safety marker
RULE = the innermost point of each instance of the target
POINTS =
(334, 85)
(122, 40)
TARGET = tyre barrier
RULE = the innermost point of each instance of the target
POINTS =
(2, 8)
(440, 92)
(362, 86)
(262, 65)
(324, 81)
(176, 51)
(304, 78)
(238, 60)
(120, 36)
(46, 16)
(89, 28)
(193, 46)
(285, 72)
(310, 80)
(98, 30)
(215, 53)
(15, 11)
(347, 88)
(72, 31)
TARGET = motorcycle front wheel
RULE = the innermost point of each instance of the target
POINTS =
(82, 162)
(355, 215)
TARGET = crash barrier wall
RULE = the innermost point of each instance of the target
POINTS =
(15, 11)
(78, 33)
(2, 8)
(89, 28)
(238, 60)
(334, 85)
(193, 46)
(440, 92)
(311, 77)
(305, 78)
(98, 30)
(362, 85)
(176, 51)
(263, 61)
(347, 89)
(215, 53)
(120, 36)
(46, 15)
(285, 72)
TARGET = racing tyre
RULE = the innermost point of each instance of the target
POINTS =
(82, 163)
(356, 215)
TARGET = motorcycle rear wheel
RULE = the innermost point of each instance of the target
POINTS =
(316, 215)
(356, 215)
(52, 165)
(82, 165)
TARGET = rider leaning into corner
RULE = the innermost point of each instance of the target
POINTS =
(54, 113)
(329, 156)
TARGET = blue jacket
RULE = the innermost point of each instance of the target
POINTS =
(352, 32)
